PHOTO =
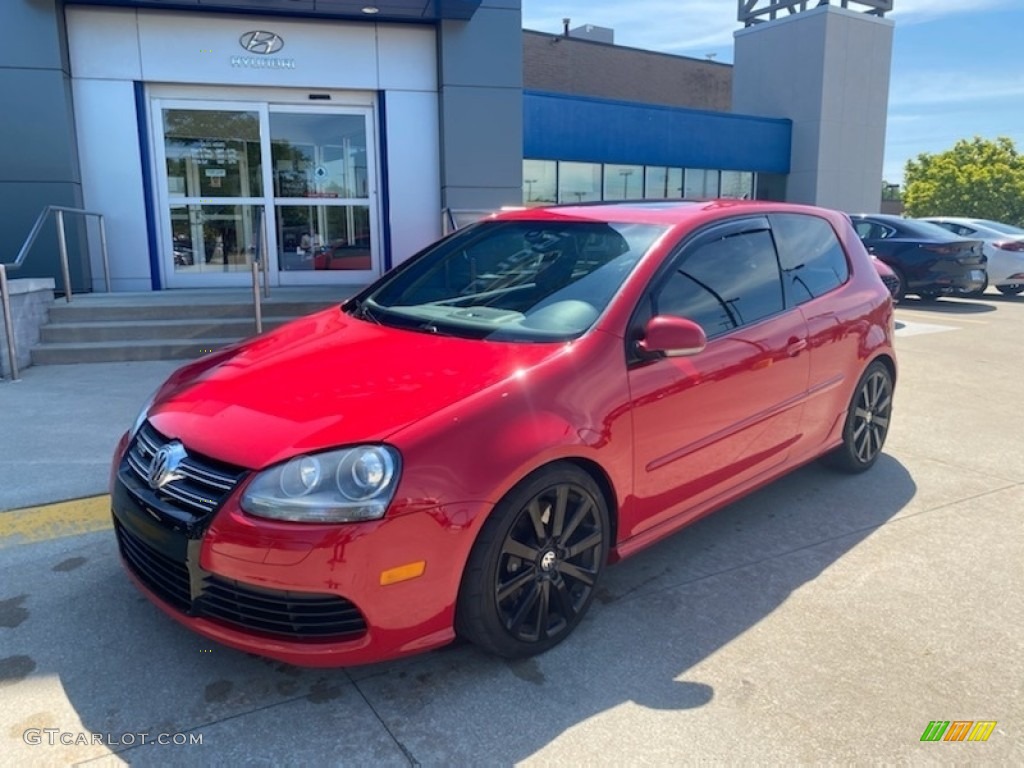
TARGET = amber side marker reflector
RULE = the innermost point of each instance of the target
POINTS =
(403, 573)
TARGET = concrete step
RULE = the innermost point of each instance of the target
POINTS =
(141, 310)
(168, 325)
(154, 330)
(120, 351)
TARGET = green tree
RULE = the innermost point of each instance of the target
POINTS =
(979, 178)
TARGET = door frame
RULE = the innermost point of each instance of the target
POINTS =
(263, 101)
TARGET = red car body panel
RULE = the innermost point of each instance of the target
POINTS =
(670, 441)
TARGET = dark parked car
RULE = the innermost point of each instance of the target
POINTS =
(462, 447)
(928, 260)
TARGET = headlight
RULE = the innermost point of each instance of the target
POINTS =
(345, 485)
(143, 414)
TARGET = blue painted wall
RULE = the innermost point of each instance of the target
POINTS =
(560, 127)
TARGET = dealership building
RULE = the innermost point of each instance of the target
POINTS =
(331, 136)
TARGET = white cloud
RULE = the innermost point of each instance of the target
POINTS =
(945, 89)
(921, 11)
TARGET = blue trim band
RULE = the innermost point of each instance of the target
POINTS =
(586, 129)
(385, 197)
(147, 186)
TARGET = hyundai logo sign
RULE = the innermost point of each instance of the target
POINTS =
(259, 41)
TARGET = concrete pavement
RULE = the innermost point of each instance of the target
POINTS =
(824, 619)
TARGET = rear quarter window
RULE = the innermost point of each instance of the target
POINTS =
(813, 261)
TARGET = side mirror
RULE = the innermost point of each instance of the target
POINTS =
(672, 337)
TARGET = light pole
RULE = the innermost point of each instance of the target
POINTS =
(529, 189)
(625, 174)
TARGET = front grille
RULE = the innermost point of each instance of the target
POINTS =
(204, 483)
(294, 615)
(165, 576)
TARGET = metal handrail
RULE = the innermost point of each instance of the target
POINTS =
(62, 242)
(450, 217)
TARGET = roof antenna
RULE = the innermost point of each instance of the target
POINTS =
(565, 26)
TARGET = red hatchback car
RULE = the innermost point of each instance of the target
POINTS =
(462, 447)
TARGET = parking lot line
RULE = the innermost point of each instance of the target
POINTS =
(54, 521)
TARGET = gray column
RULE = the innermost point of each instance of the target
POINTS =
(481, 91)
(827, 70)
(38, 156)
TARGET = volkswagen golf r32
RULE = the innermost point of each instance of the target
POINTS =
(464, 446)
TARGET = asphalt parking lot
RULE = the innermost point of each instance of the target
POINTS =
(824, 619)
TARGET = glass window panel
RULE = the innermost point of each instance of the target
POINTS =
(623, 182)
(701, 184)
(812, 259)
(725, 283)
(323, 237)
(319, 155)
(214, 238)
(663, 183)
(579, 182)
(737, 184)
(212, 153)
(540, 182)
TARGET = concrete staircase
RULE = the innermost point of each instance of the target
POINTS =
(167, 325)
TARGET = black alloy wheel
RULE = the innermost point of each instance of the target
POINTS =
(532, 573)
(867, 422)
(1011, 289)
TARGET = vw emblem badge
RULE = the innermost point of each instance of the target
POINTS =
(259, 41)
(164, 468)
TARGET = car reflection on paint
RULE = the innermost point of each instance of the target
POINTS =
(462, 448)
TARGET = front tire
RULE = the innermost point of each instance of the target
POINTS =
(867, 422)
(533, 570)
(1011, 289)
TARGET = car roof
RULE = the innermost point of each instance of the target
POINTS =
(666, 212)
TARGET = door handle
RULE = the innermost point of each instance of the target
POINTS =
(796, 346)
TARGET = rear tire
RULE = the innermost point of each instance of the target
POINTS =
(533, 570)
(867, 422)
(901, 288)
(978, 292)
(1012, 289)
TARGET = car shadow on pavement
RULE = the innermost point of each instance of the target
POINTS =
(125, 667)
(948, 305)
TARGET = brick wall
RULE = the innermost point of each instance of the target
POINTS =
(583, 68)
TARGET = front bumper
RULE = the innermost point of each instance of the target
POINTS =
(308, 595)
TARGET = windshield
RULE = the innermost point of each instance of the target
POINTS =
(511, 280)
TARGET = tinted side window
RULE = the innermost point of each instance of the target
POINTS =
(724, 283)
(813, 261)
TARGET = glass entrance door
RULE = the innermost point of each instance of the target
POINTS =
(323, 192)
(230, 174)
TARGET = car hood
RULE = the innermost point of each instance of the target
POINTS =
(323, 381)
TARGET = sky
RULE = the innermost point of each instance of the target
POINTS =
(957, 72)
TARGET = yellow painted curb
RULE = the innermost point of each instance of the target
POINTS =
(54, 521)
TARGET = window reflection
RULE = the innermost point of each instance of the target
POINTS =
(323, 237)
(540, 181)
(214, 238)
(623, 182)
(212, 153)
(579, 182)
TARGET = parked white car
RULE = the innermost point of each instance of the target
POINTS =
(1004, 246)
